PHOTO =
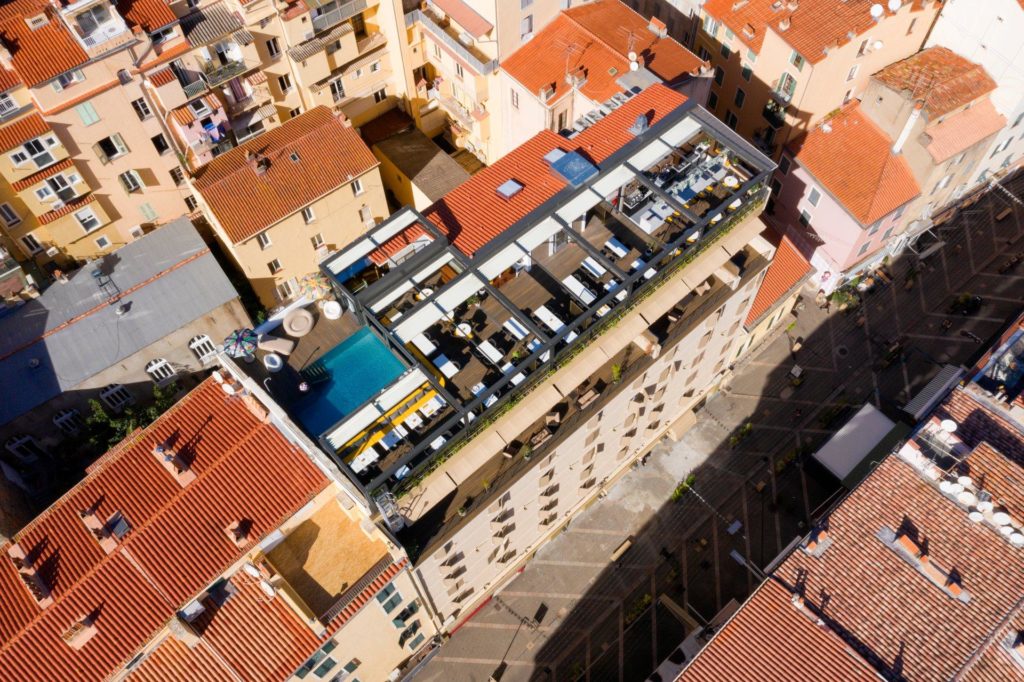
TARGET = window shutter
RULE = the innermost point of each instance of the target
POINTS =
(100, 153)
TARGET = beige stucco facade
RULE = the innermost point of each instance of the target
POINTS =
(805, 88)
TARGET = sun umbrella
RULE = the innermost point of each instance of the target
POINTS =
(240, 343)
(314, 286)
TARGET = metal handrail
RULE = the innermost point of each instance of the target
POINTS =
(481, 67)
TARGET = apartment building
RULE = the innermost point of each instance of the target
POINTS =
(585, 63)
(506, 352)
(215, 543)
(681, 17)
(923, 556)
(974, 30)
(843, 195)
(79, 182)
(781, 66)
(152, 313)
(283, 202)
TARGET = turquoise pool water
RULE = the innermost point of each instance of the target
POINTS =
(360, 366)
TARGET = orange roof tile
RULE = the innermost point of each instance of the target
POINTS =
(43, 174)
(184, 114)
(176, 544)
(330, 155)
(73, 205)
(149, 15)
(747, 647)
(44, 53)
(813, 25)
(855, 163)
(597, 36)
(22, 130)
(963, 130)
(465, 16)
(473, 213)
(788, 270)
(8, 78)
(172, 659)
(162, 77)
(942, 78)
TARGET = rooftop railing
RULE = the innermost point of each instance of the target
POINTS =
(439, 32)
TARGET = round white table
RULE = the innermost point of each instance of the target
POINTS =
(332, 310)
(273, 362)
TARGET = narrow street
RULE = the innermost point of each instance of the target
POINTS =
(586, 618)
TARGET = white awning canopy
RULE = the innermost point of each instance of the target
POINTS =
(852, 443)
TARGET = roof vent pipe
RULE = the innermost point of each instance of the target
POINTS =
(897, 147)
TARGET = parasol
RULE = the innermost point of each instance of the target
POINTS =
(314, 286)
(240, 343)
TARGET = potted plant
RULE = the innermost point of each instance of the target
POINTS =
(616, 373)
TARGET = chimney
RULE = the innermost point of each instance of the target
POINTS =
(39, 590)
(256, 408)
(784, 24)
(639, 126)
(183, 632)
(897, 146)
(238, 532)
(657, 27)
(816, 540)
(80, 632)
(173, 462)
(98, 530)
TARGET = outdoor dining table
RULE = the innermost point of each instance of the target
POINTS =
(516, 329)
(593, 267)
(413, 421)
(489, 351)
(446, 366)
(577, 289)
(616, 247)
(365, 459)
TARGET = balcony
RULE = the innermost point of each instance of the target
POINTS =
(783, 90)
(97, 26)
(332, 13)
(215, 74)
(447, 35)
(775, 113)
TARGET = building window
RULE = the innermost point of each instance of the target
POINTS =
(7, 104)
(784, 164)
(729, 35)
(191, 203)
(131, 181)
(25, 448)
(177, 175)
(863, 249)
(746, 73)
(814, 197)
(712, 101)
(159, 370)
(317, 240)
(36, 152)
(910, 29)
(458, 71)
(87, 219)
(203, 347)
(294, 112)
(797, 60)
(710, 26)
(389, 598)
(719, 75)
(102, 242)
(160, 143)
(162, 35)
(731, 120)
(526, 27)
(375, 66)
(284, 82)
(274, 266)
(357, 187)
(273, 48)
(286, 289)
(116, 397)
(941, 184)
(740, 98)
(87, 113)
(148, 212)
(110, 148)
(263, 239)
(67, 79)
(308, 214)
(31, 244)
(863, 48)
(725, 52)
(805, 218)
(853, 72)
(380, 95)
(70, 422)
(9, 215)
(887, 234)
(848, 96)
(515, 98)
(1002, 146)
(337, 90)
(874, 228)
(703, 53)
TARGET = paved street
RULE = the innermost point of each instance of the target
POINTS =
(616, 622)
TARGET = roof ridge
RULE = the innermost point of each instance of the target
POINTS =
(596, 37)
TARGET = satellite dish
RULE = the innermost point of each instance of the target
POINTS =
(634, 66)
(251, 569)
(631, 56)
(877, 11)
(228, 388)
(894, 5)
(948, 425)
(1017, 540)
(1001, 518)
(217, 376)
(965, 481)
(877, 45)
(976, 516)
(268, 589)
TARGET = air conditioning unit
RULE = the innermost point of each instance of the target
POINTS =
(136, 232)
(53, 252)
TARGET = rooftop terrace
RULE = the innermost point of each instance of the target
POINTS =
(483, 307)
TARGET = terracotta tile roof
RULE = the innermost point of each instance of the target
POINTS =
(396, 243)
(162, 77)
(747, 648)
(465, 16)
(174, 660)
(41, 54)
(43, 174)
(788, 270)
(964, 129)
(598, 33)
(73, 205)
(813, 25)
(367, 593)
(176, 544)
(8, 78)
(473, 213)
(149, 15)
(330, 155)
(855, 163)
(942, 78)
(978, 423)
(22, 130)
(185, 116)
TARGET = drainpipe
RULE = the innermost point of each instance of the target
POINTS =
(905, 133)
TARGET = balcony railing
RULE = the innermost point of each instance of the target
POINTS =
(439, 32)
(340, 13)
(222, 73)
(195, 88)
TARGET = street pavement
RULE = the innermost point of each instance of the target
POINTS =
(572, 614)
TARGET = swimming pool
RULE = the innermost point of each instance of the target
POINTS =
(360, 366)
